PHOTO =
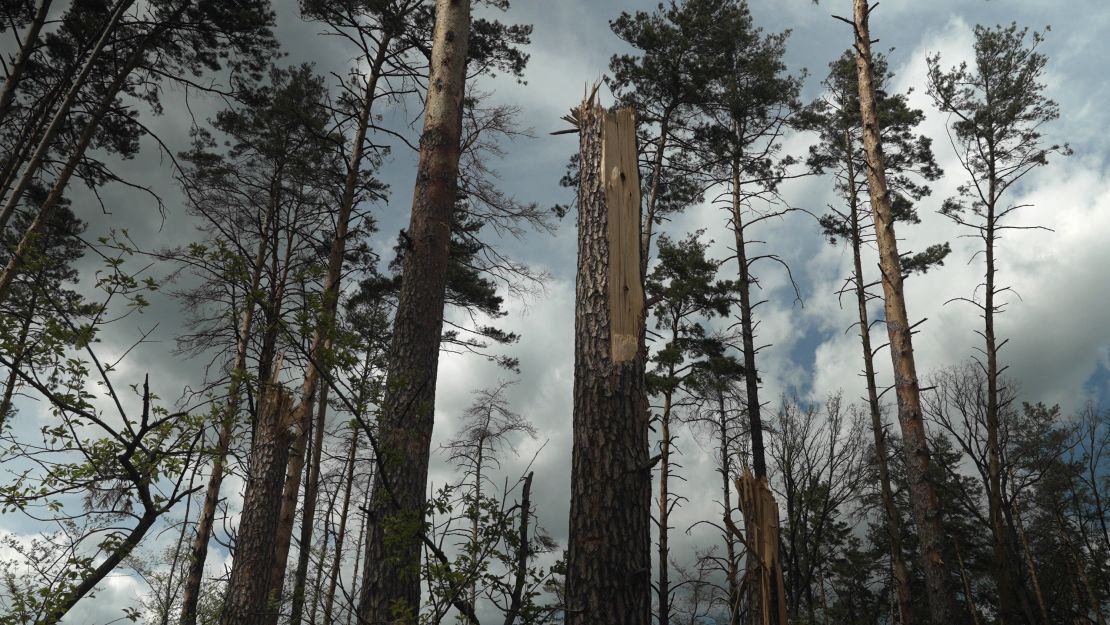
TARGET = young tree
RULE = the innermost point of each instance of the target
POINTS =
(489, 427)
(998, 108)
(684, 292)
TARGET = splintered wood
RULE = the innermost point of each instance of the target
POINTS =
(764, 569)
(620, 178)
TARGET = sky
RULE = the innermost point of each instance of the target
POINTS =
(1059, 349)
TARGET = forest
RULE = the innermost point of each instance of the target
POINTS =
(700, 312)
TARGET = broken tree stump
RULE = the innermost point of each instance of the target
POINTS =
(608, 560)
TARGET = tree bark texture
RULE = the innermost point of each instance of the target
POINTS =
(391, 586)
(608, 557)
(248, 600)
(923, 494)
(199, 549)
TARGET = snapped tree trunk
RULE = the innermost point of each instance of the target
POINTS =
(938, 583)
(391, 580)
(608, 555)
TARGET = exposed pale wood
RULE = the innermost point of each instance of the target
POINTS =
(608, 552)
(764, 568)
(620, 180)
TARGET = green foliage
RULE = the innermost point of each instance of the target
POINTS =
(998, 107)
(684, 291)
(908, 157)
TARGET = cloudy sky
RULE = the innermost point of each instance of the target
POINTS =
(1059, 350)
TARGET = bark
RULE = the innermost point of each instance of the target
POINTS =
(248, 600)
(199, 550)
(391, 585)
(663, 586)
(608, 555)
(341, 533)
(747, 330)
(893, 520)
(308, 511)
(923, 493)
(520, 575)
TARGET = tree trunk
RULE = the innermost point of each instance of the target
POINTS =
(308, 511)
(747, 331)
(893, 521)
(923, 493)
(663, 586)
(391, 586)
(608, 555)
(199, 550)
(341, 533)
(248, 600)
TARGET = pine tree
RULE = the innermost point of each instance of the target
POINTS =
(684, 292)
(998, 109)
(837, 121)
(927, 514)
